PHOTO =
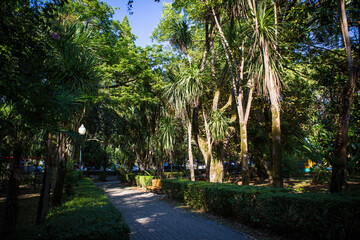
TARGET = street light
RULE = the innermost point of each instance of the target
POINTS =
(81, 131)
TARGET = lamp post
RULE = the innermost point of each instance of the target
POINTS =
(81, 131)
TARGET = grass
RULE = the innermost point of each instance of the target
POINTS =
(304, 183)
(86, 215)
(28, 201)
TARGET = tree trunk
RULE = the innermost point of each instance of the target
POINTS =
(61, 172)
(267, 170)
(11, 203)
(216, 170)
(276, 147)
(205, 152)
(190, 154)
(274, 94)
(44, 201)
(244, 154)
(338, 163)
(237, 91)
(171, 167)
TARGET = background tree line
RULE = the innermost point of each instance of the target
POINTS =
(265, 84)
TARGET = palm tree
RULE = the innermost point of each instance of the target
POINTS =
(75, 71)
(73, 77)
(260, 34)
(181, 37)
(338, 164)
(237, 77)
(167, 136)
(183, 93)
(263, 21)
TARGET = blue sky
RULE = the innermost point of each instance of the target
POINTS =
(146, 15)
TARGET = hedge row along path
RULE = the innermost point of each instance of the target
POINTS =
(150, 218)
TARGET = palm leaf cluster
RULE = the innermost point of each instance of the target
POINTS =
(181, 36)
(167, 133)
(218, 125)
(185, 89)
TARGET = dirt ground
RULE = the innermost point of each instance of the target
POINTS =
(305, 183)
(28, 202)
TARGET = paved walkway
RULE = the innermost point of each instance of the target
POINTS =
(151, 218)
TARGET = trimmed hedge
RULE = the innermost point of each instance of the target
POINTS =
(175, 174)
(146, 180)
(299, 216)
(143, 181)
(130, 178)
(89, 215)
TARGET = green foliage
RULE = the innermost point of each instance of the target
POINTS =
(186, 85)
(87, 215)
(298, 216)
(94, 155)
(161, 33)
(174, 174)
(93, 216)
(130, 178)
(321, 174)
(218, 124)
(121, 175)
(102, 176)
(143, 181)
(180, 35)
(71, 178)
(167, 133)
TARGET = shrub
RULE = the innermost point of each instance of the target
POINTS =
(121, 175)
(175, 174)
(142, 181)
(88, 215)
(130, 178)
(299, 216)
(71, 178)
(102, 176)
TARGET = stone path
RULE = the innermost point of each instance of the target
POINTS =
(151, 218)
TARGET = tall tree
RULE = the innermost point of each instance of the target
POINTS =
(24, 48)
(263, 24)
(183, 94)
(338, 163)
(238, 92)
(167, 137)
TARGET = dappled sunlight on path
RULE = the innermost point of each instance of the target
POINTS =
(151, 218)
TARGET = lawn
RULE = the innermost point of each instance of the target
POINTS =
(88, 209)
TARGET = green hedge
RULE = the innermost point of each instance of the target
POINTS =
(88, 215)
(142, 181)
(130, 178)
(175, 174)
(298, 216)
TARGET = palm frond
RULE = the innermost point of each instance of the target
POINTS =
(185, 88)
(181, 35)
(218, 125)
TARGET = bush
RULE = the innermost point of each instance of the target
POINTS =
(175, 174)
(130, 178)
(121, 175)
(142, 181)
(88, 215)
(71, 178)
(102, 176)
(298, 216)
